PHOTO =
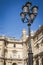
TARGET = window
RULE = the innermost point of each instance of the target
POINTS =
(37, 46)
(42, 61)
(10, 45)
(35, 39)
(5, 43)
(14, 45)
(18, 56)
(42, 43)
(14, 54)
(14, 64)
(19, 45)
(4, 62)
(37, 62)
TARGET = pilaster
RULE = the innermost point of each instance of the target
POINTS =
(34, 61)
(40, 60)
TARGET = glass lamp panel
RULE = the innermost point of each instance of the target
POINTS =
(35, 10)
(28, 4)
(22, 15)
(25, 9)
(32, 16)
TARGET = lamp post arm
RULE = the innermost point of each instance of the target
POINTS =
(26, 18)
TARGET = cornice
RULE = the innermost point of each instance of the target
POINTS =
(40, 54)
(38, 31)
(14, 40)
(13, 59)
(10, 41)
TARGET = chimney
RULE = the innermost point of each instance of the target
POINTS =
(24, 34)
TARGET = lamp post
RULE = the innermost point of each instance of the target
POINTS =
(27, 16)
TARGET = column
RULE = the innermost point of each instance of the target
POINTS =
(40, 60)
(34, 61)
(23, 62)
(1, 62)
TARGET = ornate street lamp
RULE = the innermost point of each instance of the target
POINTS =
(27, 16)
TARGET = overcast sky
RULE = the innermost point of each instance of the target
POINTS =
(10, 20)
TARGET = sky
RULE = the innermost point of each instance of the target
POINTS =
(10, 20)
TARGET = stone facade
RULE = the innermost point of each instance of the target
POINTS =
(15, 52)
(38, 46)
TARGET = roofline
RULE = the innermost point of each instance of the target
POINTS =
(38, 31)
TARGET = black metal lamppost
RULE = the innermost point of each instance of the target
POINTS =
(28, 15)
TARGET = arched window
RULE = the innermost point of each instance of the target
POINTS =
(14, 45)
(5, 43)
(37, 62)
(14, 64)
(4, 62)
